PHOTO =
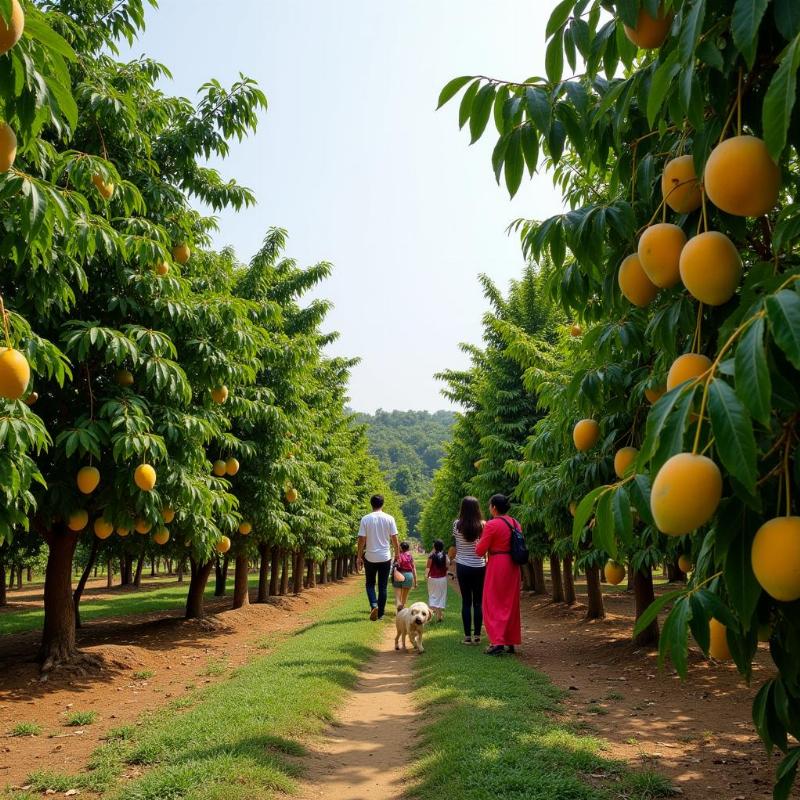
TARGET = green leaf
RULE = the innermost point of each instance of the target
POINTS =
(745, 22)
(554, 58)
(787, 17)
(584, 511)
(559, 16)
(465, 109)
(530, 148)
(640, 496)
(623, 519)
(603, 532)
(36, 28)
(480, 112)
(753, 385)
(783, 312)
(691, 30)
(673, 433)
(514, 163)
(652, 611)
(657, 419)
(699, 623)
(776, 113)
(762, 704)
(538, 108)
(786, 774)
(452, 88)
(675, 636)
(660, 85)
(733, 433)
(743, 588)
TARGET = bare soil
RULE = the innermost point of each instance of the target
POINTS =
(364, 754)
(698, 733)
(150, 660)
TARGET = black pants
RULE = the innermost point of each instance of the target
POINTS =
(470, 581)
(380, 571)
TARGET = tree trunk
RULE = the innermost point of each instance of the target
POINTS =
(298, 572)
(323, 571)
(674, 573)
(241, 593)
(284, 587)
(629, 578)
(555, 578)
(110, 573)
(274, 570)
(569, 581)
(539, 584)
(595, 608)
(76, 595)
(137, 578)
(58, 633)
(221, 572)
(152, 566)
(644, 595)
(3, 597)
(19, 577)
(263, 573)
(126, 566)
(181, 569)
(195, 608)
(30, 574)
(312, 574)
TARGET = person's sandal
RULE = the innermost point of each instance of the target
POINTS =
(510, 649)
(495, 650)
(476, 640)
(467, 640)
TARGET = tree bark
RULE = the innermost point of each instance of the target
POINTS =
(58, 633)
(263, 573)
(312, 574)
(195, 608)
(644, 595)
(126, 567)
(241, 593)
(595, 609)
(323, 571)
(298, 572)
(19, 578)
(274, 570)
(284, 587)
(110, 573)
(30, 574)
(221, 572)
(76, 595)
(569, 581)
(674, 573)
(539, 584)
(181, 569)
(3, 596)
(137, 578)
(555, 578)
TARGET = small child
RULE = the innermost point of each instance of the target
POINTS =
(436, 573)
(405, 564)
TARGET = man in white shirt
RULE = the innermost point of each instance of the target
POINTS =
(377, 539)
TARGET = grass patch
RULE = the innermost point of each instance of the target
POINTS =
(143, 674)
(239, 737)
(490, 731)
(26, 729)
(615, 696)
(214, 668)
(76, 719)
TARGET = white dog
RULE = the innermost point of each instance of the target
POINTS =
(410, 622)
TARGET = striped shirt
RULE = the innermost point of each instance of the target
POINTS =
(465, 551)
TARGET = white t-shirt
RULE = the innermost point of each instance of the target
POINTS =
(377, 528)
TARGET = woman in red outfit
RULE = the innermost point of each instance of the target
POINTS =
(502, 587)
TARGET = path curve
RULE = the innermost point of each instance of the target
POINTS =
(362, 756)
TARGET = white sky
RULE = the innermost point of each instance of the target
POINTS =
(355, 162)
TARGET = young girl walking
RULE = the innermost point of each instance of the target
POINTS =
(405, 565)
(436, 573)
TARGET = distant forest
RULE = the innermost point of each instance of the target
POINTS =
(409, 446)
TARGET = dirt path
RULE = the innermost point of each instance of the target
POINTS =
(363, 754)
(152, 660)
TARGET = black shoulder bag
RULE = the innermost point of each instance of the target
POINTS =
(517, 548)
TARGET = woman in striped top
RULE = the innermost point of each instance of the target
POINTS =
(470, 567)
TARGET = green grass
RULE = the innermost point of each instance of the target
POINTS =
(492, 729)
(76, 719)
(239, 738)
(143, 674)
(125, 603)
(26, 729)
